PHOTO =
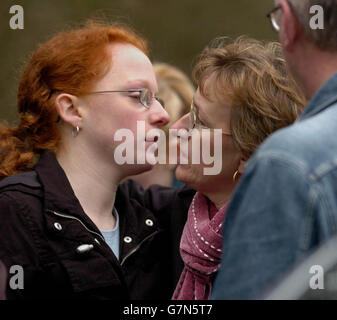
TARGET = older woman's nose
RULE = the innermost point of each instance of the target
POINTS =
(182, 123)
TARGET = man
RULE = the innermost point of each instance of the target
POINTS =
(286, 203)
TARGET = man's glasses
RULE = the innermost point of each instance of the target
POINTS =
(272, 18)
(196, 123)
(145, 96)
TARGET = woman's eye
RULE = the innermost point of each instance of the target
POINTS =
(202, 124)
(136, 96)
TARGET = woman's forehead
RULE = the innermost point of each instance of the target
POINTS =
(215, 89)
(130, 67)
(128, 56)
(210, 102)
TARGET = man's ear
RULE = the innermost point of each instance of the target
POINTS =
(241, 168)
(66, 106)
(289, 26)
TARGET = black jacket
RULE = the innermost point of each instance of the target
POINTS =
(43, 229)
(3, 278)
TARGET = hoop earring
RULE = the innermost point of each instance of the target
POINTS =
(236, 173)
(75, 131)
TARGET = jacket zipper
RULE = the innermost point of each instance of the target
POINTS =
(135, 249)
(74, 218)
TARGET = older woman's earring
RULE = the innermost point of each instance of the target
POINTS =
(235, 175)
(75, 131)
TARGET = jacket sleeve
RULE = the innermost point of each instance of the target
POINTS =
(170, 206)
(165, 202)
(17, 250)
(266, 228)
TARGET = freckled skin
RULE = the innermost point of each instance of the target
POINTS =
(104, 114)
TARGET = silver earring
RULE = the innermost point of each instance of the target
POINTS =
(75, 131)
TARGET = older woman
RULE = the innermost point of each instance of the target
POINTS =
(245, 90)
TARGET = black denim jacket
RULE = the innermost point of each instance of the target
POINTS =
(44, 229)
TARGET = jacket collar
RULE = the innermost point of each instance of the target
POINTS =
(324, 98)
(60, 197)
(58, 193)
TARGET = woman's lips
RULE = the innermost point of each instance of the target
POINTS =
(182, 158)
(152, 139)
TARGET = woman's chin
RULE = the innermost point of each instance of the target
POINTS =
(136, 169)
(184, 174)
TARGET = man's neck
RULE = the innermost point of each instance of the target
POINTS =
(316, 68)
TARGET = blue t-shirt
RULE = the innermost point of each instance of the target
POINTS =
(111, 237)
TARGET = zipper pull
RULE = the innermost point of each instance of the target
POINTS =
(84, 248)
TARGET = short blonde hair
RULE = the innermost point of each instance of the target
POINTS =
(253, 75)
(175, 89)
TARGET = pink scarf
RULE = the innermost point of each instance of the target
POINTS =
(200, 249)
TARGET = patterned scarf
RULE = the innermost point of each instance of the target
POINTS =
(200, 249)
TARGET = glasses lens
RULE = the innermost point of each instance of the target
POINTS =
(275, 24)
(145, 97)
(192, 117)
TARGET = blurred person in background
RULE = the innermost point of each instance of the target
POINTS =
(176, 91)
(64, 216)
(245, 90)
(286, 203)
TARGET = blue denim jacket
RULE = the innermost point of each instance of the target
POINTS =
(285, 204)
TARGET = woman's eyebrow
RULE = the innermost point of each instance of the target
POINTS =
(138, 84)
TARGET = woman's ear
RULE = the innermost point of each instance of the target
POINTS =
(66, 106)
(242, 165)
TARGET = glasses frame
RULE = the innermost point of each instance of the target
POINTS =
(145, 93)
(272, 19)
(193, 121)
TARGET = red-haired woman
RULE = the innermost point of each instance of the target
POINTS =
(64, 217)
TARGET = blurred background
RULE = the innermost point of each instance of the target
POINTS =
(177, 29)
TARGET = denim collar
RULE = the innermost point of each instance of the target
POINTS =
(325, 96)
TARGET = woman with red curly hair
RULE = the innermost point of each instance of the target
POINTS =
(64, 217)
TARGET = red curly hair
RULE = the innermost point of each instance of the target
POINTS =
(69, 62)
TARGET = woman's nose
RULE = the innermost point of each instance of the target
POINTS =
(159, 116)
(182, 123)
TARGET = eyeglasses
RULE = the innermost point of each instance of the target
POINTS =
(196, 123)
(145, 96)
(272, 17)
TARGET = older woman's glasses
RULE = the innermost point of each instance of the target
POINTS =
(196, 123)
(145, 96)
(273, 20)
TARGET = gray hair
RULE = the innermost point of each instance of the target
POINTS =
(326, 38)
